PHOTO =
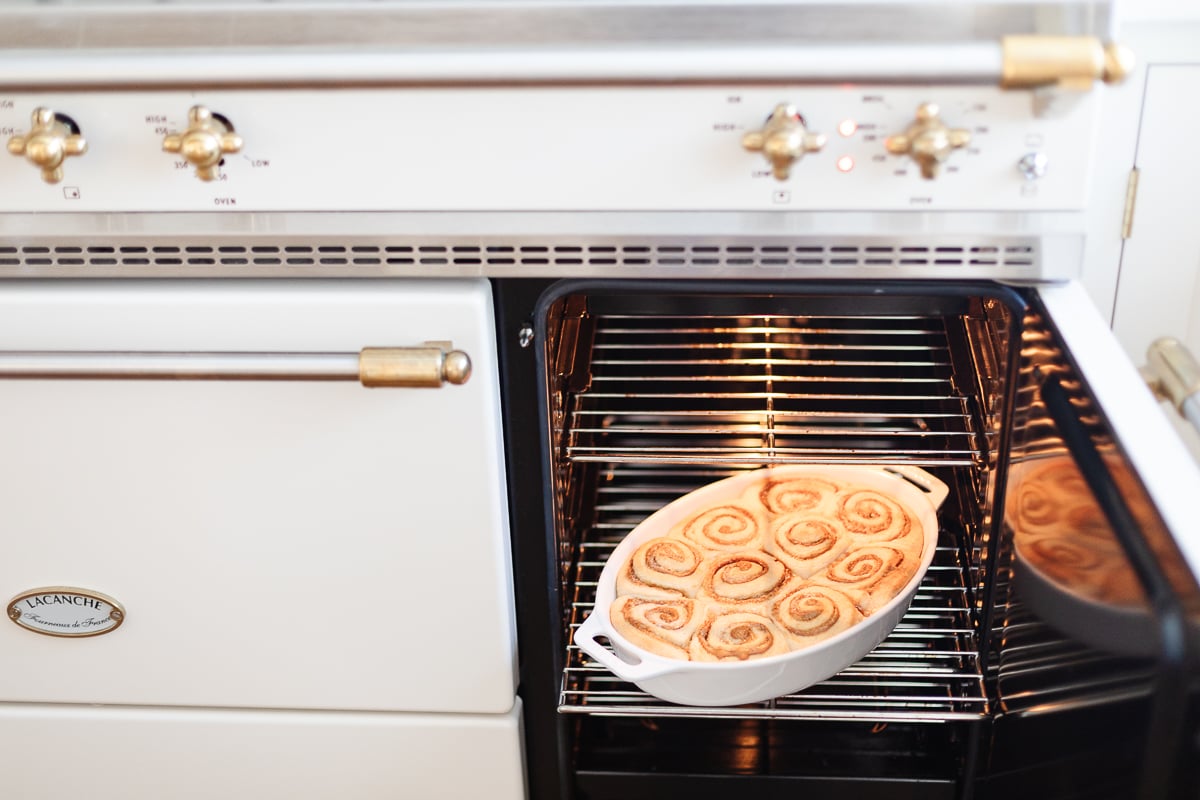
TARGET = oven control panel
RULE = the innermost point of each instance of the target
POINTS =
(848, 148)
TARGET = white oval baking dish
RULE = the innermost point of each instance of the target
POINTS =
(728, 683)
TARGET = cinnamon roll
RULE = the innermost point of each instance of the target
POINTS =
(663, 627)
(730, 635)
(810, 612)
(806, 542)
(870, 575)
(740, 578)
(873, 517)
(726, 528)
(662, 567)
(780, 495)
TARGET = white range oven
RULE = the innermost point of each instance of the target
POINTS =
(341, 343)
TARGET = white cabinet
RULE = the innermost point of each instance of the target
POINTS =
(1149, 125)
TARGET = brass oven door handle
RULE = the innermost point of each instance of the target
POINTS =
(429, 366)
(1174, 375)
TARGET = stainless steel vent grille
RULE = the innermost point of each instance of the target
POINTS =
(500, 258)
(927, 670)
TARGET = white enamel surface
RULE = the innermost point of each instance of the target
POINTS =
(733, 683)
(56, 752)
(274, 544)
(1157, 455)
(1159, 289)
(602, 148)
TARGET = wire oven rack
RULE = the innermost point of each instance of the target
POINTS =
(926, 670)
(758, 390)
(675, 402)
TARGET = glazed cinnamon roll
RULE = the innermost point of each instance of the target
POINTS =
(725, 528)
(662, 567)
(740, 578)
(809, 613)
(663, 627)
(806, 542)
(727, 635)
(870, 575)
(789, 495)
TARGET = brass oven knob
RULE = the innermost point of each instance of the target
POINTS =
(52, 138)
(207, 140)
(783, 140)
(928, 140)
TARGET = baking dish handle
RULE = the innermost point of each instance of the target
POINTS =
(585, 637)
(936, 490)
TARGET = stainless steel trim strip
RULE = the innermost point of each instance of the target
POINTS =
(854, 62)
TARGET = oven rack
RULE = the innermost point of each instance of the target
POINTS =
(756, 390)
(927, 670)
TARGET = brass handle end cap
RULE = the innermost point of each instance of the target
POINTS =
(456, 367)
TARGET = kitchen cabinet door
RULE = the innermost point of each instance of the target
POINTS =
(1159, 288)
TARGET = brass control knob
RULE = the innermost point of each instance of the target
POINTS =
(208, 139)
(49, 142)
(783, 140)
(928, 140)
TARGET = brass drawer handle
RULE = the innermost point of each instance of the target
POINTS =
(430, 366)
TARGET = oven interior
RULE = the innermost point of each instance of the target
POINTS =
(652, 391)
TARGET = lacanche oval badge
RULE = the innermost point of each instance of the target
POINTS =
(66, 611)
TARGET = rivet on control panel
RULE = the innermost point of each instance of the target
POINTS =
(783, 140)
(52, 138)
(928, 140)
(208, 139)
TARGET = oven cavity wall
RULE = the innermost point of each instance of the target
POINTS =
(656, 389)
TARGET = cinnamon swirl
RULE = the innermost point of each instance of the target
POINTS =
(873, 517)
(810, 612)
(663, 627)
(740, 578)
(1082, 564)
(662, 567)
(788, 495)
(806, 542)
(870, 575)
(736, 636)
(726, 528)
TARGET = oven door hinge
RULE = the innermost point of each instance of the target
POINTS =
(1131, 188)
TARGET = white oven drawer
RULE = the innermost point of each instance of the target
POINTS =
(55, 752)
(274, 544)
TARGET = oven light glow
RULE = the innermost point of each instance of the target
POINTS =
(845, 163)
(847, 127)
